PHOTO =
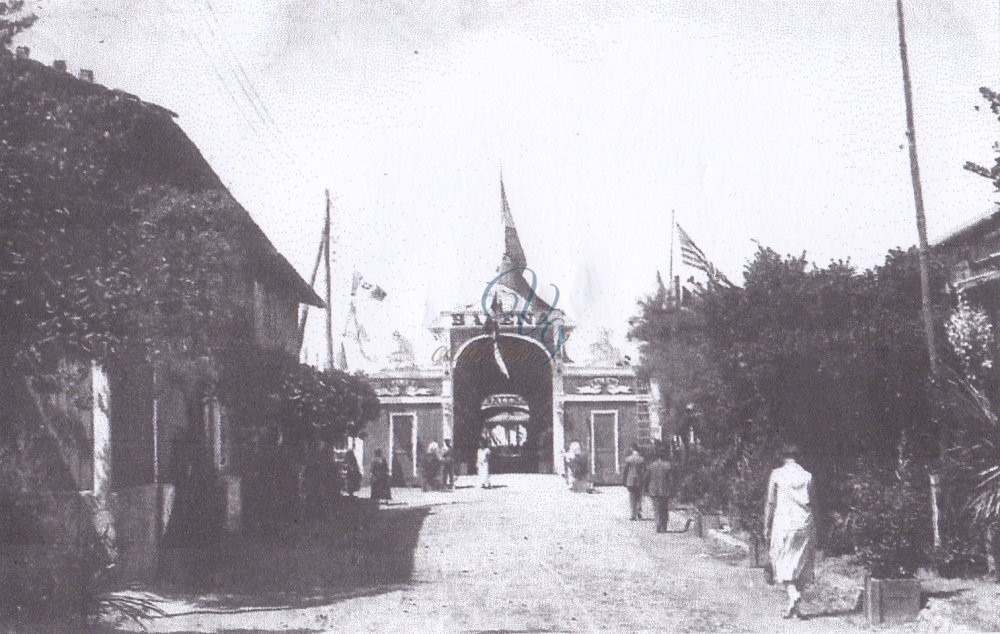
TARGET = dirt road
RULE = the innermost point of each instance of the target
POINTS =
(525, 556)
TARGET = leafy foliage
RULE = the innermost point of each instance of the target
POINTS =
(830, 358)
(13, 20)
(891, 527)
(969, 395)
(275, 393)
(993, 172)
(119, 237)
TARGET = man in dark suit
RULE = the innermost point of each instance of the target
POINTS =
(633, 479)
(660, 487)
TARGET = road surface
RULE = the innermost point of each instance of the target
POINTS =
(526, 556)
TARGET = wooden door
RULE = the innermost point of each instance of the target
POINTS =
(402, 437)
(604, 450)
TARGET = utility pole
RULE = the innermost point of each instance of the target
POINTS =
(918, 200)
(329, 284)
(922, 252)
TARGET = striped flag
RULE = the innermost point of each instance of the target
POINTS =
(694, 257)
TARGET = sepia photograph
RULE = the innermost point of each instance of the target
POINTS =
(499, 316)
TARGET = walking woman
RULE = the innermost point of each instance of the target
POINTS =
(791, 528)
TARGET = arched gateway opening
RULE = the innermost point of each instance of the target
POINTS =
(514, 415)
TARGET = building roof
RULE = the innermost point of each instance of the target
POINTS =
(988, 221)
(146, 149)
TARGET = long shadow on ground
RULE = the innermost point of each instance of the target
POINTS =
(356, 550)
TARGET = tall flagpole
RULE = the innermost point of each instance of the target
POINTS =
(329, 285)
(918, 199)
(922, 252)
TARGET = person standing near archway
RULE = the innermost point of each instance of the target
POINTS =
(430, 466)
(447, 465)
(381, 490)
(483, 463)
(633, 478)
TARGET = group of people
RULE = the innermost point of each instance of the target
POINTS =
(788, 515)
(437, 471)
(655, 479)
(437, 467)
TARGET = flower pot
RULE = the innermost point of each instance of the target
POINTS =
(891, 600)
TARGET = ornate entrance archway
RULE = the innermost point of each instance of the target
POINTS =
(514, 415)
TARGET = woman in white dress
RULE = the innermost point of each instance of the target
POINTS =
(791, 528)
(568, 457)
(483, 463)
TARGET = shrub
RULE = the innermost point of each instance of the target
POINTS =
(890, 522)
(699, 481)
(749, 493)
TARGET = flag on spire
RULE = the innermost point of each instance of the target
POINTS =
(513, 253)
(514, 258)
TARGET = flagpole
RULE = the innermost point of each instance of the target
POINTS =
(312, 281)
(329, 286)
(672, 224)
(918, 199)
(922, 256)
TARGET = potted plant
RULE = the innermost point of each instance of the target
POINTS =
(892, 535)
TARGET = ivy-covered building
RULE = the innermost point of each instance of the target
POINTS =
(147, 320)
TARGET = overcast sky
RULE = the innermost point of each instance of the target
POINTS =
(781, 122)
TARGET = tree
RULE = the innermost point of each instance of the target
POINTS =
(992, 173)
(13, 20)
(831, 358)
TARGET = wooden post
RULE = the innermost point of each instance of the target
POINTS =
(935, 508)
(991, 550)
(157, 492)
(329, 284)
